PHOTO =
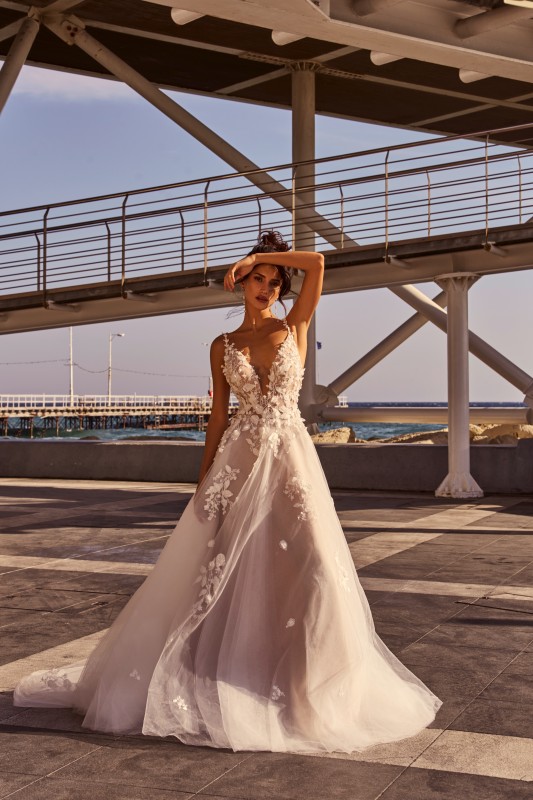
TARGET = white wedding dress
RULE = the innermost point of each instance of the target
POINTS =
(252, 632)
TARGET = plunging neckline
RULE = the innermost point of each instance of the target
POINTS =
(274, 362)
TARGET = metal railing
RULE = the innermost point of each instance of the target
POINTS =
(53, 404)
(437, 186)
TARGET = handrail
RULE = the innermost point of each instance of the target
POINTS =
(416, 190)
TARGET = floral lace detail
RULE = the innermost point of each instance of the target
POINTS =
(299, 491)
(57, 679)
(135, 674)
(218, 494)
(342, 574)
(180, 703)
(276, 693)
(283, 544)
(270, 419)
(290, 622)
(209, 580)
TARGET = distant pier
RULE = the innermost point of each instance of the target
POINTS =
(44, 414)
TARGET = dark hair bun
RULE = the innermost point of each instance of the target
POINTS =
(270, 242)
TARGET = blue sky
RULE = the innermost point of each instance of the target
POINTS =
(66, 136)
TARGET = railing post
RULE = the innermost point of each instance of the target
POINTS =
(206, 231)
(108, 251)
(123, 254)
(45, 254)
(38, 261)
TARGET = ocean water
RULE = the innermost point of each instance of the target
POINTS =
(362, 430)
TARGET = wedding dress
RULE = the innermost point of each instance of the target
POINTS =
(252, 632)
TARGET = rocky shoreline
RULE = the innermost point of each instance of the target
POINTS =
(479, 434)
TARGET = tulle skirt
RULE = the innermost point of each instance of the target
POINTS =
(252, 632)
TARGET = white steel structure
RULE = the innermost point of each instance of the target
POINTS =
(356, 58)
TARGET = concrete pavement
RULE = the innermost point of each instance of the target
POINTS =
(451, 590)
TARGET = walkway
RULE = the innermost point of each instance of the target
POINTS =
(451, 589)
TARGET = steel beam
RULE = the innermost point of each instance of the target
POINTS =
(383, 349)
(11, 30)
(490, 21)
(18, 53)
(303, 149)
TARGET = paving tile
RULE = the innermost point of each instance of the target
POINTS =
(38, 753)
(153, 764)
(12, 781)
(496, 716)
(513, 687)
(480, 754)
(458, 658)
(522, 664)
(52, 788)
(297, 777)
(511, 637)
(425, 784)
(50, 719)
(450, 684)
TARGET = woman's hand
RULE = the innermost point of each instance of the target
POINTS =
(237, 271)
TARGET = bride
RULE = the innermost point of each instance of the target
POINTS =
(252, 632)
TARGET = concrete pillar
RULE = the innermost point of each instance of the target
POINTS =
(18, 53)
(303, 149)
(459, 482)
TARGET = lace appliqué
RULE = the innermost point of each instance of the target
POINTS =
(299, 491)
(276, 693)
(342, 574)
(268, 420)
(180, 703)
(209, 579)
(218, 495)
(57, 679)
(135, 674)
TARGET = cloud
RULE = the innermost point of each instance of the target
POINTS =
(52, 84)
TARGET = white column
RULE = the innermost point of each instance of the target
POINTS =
(303, 149)
(18, 52)
(458, 482)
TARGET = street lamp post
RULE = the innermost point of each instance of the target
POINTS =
(109, 369)
(71, 367)
(210, 379)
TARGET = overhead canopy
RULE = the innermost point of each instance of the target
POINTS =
(229, 52)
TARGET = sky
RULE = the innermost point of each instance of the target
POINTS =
(66, 136)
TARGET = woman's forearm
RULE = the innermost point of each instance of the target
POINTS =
(297, 259)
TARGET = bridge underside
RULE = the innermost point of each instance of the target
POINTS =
(352, 269)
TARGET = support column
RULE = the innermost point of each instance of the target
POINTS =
(303, 149)
(18, 53)
(459, 482)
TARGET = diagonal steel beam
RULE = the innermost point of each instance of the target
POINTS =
(18, 53)
(11, 30)
(73, 33)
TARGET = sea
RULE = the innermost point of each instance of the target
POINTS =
(362, 430)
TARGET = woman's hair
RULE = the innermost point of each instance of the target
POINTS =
(273, 242)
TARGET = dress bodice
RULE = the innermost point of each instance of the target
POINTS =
(284, 378)
(258, 410)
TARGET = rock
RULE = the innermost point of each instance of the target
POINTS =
(336, 436)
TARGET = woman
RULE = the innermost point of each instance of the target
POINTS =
(252, 632)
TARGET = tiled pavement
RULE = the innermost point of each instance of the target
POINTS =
(451, 589)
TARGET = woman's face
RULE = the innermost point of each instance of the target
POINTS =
(262, 286)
